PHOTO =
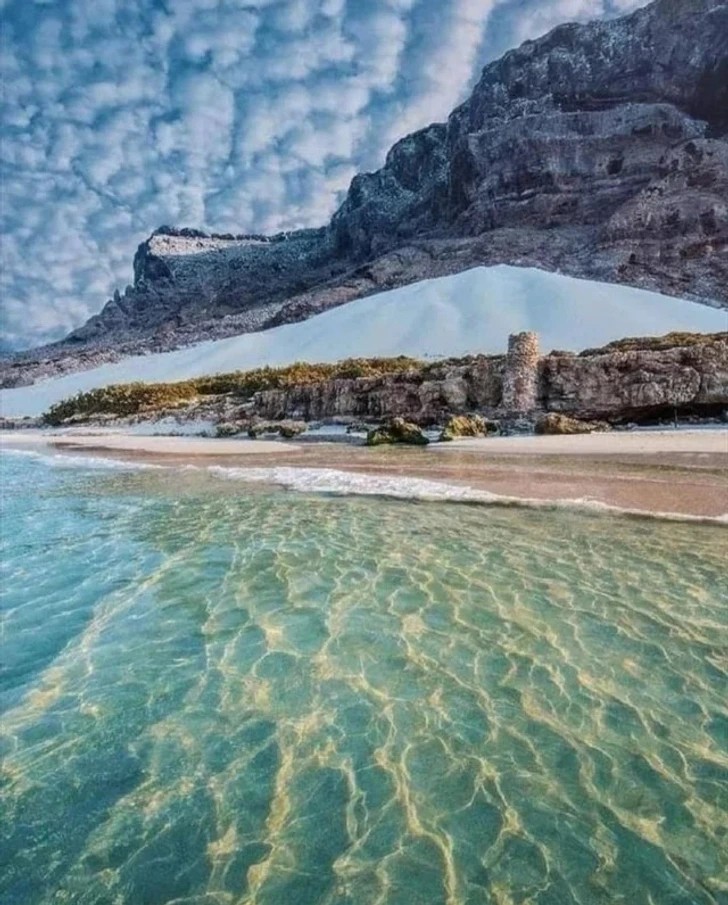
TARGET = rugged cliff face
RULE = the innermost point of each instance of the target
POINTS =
(599, 150)
(634, 384)
(185, 276)
(636, 380)
(559, 133)
(426, 396)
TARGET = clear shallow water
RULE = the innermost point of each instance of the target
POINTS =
(213, 693)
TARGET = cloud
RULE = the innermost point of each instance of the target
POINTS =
(515, 21)
(121, 115)
(538, 18)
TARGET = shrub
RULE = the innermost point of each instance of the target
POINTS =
(135, 398)
(656, 343)
(246, 383)
(122, 399)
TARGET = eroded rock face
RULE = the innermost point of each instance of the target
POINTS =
(183, 277)
(636, 379)
(600, 150)
(559, 135)
(634, 384)
(610, 384)
(426, 396)
(678, 223)
(650, 378)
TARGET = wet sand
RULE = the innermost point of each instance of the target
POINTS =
(681, 472)
(112, 441)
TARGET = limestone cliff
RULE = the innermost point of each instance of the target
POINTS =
(640, 379)
(634, 380)
(635, 383)
(426, 395)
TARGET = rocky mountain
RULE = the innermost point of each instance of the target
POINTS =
(599, 150)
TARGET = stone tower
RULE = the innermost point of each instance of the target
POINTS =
(520, 378)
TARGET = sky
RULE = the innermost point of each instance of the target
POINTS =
(119, 116)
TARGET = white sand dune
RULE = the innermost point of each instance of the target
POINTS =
(473, 311)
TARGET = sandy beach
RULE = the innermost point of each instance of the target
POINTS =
(144, 445)
(682, 472)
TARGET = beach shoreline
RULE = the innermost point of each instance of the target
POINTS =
(671, 472)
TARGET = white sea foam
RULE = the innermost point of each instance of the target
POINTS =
(331, 480)
(345, 483)
(67, 460)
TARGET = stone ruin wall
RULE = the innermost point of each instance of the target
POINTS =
(521, 375)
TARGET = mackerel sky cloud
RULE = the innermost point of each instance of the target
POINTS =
(121, 115)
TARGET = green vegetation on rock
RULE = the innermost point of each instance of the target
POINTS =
(246, 383)
(123, 399)
(675, 340)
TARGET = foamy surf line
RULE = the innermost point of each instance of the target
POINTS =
(344, 483)
(68, 460)
(335, 482)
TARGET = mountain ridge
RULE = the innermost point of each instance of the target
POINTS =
(598, 150)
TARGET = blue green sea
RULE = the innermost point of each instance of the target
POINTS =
(215, 692)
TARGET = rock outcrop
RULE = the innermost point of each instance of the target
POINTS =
(183, 277)
(641, 379)
(285, 429)
(554, 423)
(632, 380)
(426, 395)
(468, 426)
(599, 150)
(397, 431)
(639, 383)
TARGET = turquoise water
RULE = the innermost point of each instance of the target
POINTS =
(215, 693)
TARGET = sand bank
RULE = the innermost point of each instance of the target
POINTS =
(712, 441)
(610, 443)
(113, 441)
